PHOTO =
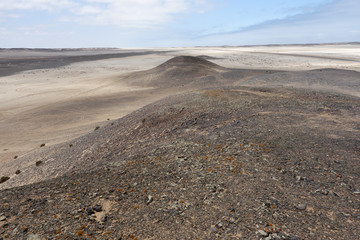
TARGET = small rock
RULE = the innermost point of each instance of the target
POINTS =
(2, 218)
(4, 179)
(333, 193)
(97, 208)
(104, 219)
(345, 214)
(293, 238)
(213, 229)
(301, 206)
(38, 163)
(275, 236)
(324, 192)
(356, 192)
(90, 211)
(33, 237)
(262, 233)
(149, 199)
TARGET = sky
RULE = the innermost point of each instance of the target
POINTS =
(175, 23)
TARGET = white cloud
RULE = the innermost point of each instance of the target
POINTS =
(6, 5)
(131, 13)
(123, 13)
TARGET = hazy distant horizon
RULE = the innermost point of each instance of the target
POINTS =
(225, 46)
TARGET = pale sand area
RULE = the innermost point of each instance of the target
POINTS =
(288, 58)
(53, 105)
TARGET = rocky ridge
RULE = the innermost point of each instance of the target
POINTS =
(236, 163)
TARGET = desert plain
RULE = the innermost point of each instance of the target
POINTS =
(77, 113)
(50, 96)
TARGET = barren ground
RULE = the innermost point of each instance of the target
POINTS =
(248, 143)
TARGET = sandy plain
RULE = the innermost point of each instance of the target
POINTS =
(51, 96)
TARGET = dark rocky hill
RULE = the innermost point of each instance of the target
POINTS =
(188, 71)
(229, 163)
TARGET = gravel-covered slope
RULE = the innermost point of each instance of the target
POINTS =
(236, 163)
(334, 80)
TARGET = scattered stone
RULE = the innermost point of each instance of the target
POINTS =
(104, 219)
(38, 163)
(333, 193)
(262, 233)
(33, 237)
(293, 238)
(345, 214)
(17, 172)
(42, 145)
(4, 179)
(2, 218)
(301, 206)
(90, 211)
(97, 208)
(324, 192)
(149, 199)
(213, 229)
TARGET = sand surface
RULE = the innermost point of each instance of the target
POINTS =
(51, 96)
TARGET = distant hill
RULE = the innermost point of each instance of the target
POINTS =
(195, 72)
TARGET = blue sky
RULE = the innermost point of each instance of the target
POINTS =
(165, 23)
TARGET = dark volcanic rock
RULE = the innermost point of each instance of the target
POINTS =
(215, 164)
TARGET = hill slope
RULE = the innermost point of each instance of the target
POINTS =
(194, 72)
(236, 163)
(333, 80)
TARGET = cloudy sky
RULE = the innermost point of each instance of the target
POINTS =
(164, 23)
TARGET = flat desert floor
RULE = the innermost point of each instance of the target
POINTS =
(51, 96)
